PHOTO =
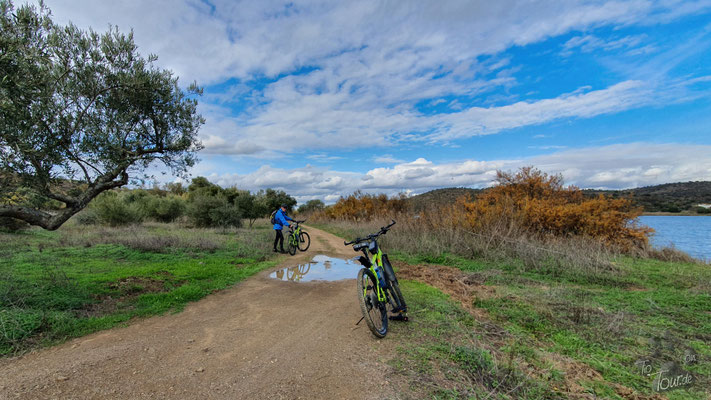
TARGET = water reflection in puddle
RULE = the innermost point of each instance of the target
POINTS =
(321, 268)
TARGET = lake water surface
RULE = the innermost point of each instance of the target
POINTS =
(691, 234)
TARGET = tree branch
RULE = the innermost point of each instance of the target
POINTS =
(93, 99)
(53, 221)
(69, 201)
(29, 215)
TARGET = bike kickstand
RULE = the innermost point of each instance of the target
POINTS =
(360, 320)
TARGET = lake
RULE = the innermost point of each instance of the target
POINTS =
(691, 234)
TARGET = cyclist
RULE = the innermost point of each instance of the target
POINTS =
(280, 219)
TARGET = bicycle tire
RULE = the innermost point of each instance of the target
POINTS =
(398, 295)
(304, 241)
(292, 246)
(374, 312)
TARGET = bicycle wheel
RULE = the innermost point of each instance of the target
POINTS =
(304, 241)
(374, 312)
(292, 244)
(397, 295)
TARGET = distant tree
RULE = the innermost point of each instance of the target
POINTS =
(176, 188)
(248, 205)
(81, 113)
(273, 199)
(311, 206)
(201, 186)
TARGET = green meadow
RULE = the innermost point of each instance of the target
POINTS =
(79, 279)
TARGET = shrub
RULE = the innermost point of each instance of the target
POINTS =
(540, 204)
(166, 209)
(113, 209)
(211, 211)
(365, 207)
(199, 209)
(87, 216)
(227, 215)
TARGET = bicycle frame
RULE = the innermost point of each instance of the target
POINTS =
(294, 234)
(376, 261)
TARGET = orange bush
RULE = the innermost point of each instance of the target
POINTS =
(365, 207)
(540, 204)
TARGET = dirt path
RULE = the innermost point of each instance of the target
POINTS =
(263, 338)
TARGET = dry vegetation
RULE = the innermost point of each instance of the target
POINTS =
(529, 216)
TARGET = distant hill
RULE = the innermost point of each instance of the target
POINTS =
(439, 197)
(669, 197)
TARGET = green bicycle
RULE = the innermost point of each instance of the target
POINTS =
(298, 238)
(378, 288)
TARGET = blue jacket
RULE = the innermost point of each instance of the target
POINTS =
(281, 219)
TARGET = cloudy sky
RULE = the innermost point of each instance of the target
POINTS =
(321, 98)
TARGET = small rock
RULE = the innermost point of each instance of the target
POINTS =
(191, 340)
(200, 370)
(206, 349)
(62, 378)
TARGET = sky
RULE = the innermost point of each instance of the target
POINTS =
(322, 98)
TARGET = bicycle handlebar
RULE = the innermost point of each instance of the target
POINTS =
(383, 230)
(296, 222)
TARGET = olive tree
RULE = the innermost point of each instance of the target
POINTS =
(82, 113)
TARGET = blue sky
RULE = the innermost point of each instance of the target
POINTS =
(321, 98)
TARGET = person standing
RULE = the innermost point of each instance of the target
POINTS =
(280, 219)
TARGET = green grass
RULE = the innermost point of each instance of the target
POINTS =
(443, 354)
(606, 319)
(608, 328)
(77, 280)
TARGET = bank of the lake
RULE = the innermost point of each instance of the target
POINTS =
(691, 234)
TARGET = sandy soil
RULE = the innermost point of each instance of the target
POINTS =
(263, 338)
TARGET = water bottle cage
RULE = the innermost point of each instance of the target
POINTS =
(381, 277)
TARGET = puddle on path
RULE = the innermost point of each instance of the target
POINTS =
(321, 268)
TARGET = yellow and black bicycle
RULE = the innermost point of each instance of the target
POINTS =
(298, 238)
(378, 288)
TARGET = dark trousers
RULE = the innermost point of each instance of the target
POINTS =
(279, 239)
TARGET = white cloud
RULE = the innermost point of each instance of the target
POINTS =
(613, 167)
(366, 64)
(629, 165)
(590, 43)
(482, 121)
(225, 38)
(387, 159)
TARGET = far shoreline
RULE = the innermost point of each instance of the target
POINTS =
(671, 214)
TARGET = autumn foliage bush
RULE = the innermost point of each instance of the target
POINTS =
(528, 214)
(539, 203)
(360, 206)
